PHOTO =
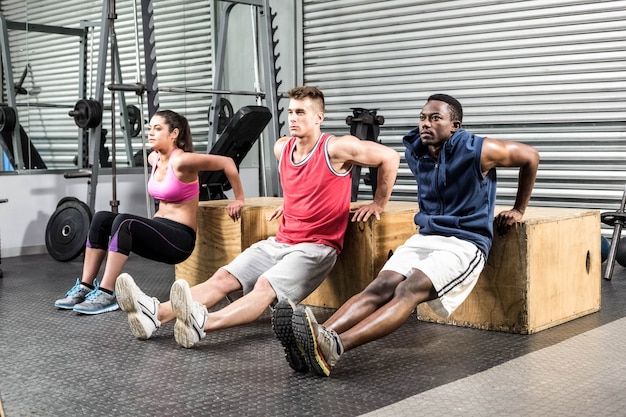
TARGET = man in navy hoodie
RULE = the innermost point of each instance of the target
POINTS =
(456, 177)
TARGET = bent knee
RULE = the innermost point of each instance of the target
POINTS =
(417, 286)
(224, 280)
(383, 287)
(263, 286)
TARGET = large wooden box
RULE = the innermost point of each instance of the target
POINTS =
(220, 239)
(367, 245)
(544, 272)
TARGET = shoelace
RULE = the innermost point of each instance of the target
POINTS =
(93, 294)
(75, 289)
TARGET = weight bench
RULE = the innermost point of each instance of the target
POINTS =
(243, 129)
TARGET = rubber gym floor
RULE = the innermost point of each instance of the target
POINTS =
(58, 363)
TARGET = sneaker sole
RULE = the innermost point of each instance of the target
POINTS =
(112, 307)
(283, 329)
(305, 335)
(125, 293)
(64, 306)
(184, 332)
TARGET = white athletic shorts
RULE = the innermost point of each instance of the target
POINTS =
(294, 271)
(453, 266)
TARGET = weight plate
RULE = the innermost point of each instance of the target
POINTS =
(67, 230)
(8, 118)
(87, 113)
(65, 200)
(85, 205)
(134, 120)
(225, 114)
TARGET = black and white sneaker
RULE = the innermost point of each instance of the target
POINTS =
(281, 323)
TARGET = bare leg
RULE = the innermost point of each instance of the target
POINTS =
(209, 293)
(361, 305)
(113, 269)
(92, 263)
(245, 310)
(416, 289)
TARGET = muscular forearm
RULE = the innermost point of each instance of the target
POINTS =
(526, 182)
(386, 179)
(235, 180)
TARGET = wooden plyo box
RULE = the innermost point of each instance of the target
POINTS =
(220, 239)
(544, 272)
(367, 245)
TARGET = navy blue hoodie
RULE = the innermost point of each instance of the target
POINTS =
(453, 196)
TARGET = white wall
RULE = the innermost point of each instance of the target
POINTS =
(33, 198)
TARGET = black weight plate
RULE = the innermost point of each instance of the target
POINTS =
(67, 229)
(85, 205)
(65, 200)
(8, 118)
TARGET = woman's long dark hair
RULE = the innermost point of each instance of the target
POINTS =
(178, 121)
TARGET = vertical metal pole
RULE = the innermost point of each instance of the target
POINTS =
(218, 76)
(149, 200)
(615, 241)
(17, 159)
(121, 98)
(271, 99)
(95, 134)
(82, 94)
(149, 49)
(113, 39)
(257, 87)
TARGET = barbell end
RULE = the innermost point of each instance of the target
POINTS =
(81, 173)
(138, 88)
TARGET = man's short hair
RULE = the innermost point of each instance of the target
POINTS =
(456, 110)
(314, 93)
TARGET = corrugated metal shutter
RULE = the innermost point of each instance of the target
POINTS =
(183, 62)
(550, 74)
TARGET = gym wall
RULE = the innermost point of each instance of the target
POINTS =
(550, 74)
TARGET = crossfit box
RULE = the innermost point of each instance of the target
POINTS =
(367, 245)
(544, 272)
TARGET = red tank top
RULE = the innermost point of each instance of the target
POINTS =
(316, 203)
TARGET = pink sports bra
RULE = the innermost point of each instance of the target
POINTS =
(170, 188)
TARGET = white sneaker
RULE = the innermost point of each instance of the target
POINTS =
(190, 315)
(142, 310)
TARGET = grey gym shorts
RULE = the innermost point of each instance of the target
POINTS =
(294, 271)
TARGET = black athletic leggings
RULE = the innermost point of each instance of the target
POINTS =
(157, 239)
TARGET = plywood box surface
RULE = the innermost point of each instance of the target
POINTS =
(544, 272)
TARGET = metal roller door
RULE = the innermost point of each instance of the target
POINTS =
(550, 74)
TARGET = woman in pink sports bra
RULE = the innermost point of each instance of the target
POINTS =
(168, 237)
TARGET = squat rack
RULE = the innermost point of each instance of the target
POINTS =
(265, 51)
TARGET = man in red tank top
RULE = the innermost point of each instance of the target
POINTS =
(315, 174)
